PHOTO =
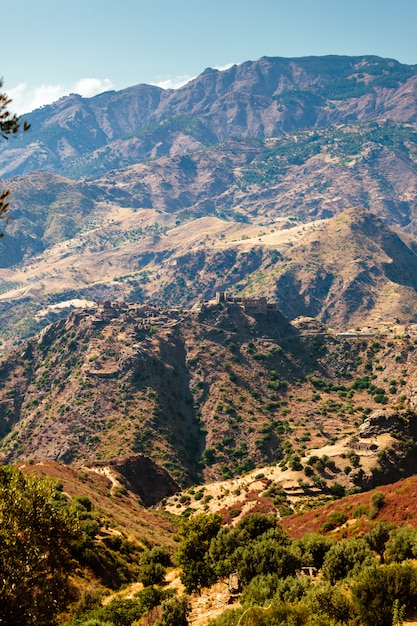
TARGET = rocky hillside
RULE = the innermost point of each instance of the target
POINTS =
(206, 394)
(118, 501)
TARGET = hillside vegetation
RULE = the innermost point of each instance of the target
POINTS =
(207, 394)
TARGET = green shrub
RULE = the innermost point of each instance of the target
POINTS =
(345, 558)
(337, 490)
(360, 510)
(197, 533)
(264, 587)
(329, 601)
(402, 545)
(378, 500)
(312, 548)
(378, 589)
(175, 612)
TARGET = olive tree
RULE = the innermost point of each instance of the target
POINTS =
(378, 537)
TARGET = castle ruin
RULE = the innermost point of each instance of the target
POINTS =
(249, 305)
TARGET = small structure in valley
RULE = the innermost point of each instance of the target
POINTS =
(249, 305)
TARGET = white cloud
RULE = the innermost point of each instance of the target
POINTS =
(89, 87)
(25, 99)
(174, 82)
(221, 68)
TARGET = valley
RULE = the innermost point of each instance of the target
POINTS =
(208, 343)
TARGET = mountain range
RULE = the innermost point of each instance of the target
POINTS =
(289, 180)
(250, 179)
(266, 98)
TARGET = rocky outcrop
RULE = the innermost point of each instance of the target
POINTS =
(151, 482)
(380, 422)
(389, 421)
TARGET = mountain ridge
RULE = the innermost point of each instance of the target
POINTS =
(239, 101)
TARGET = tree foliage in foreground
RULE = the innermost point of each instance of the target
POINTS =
(35, 558)
(10, 124)
(197, 533)
(354, 586)
(379, 588)
(346, 558)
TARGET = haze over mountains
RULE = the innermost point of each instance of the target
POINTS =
(250, 179)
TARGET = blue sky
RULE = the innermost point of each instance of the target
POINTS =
(53, 47)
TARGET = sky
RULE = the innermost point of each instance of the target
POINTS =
(51, 48)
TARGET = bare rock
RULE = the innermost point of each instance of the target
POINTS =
(379, 422)
(143, 476)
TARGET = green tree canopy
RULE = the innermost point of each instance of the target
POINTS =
(192, 554)
(266, 554)
(175, 612)
(346, 558)
(378, 537)
(378, 588)
(153, 565)
(312, 548)
(402, 545)
(227, 546)
(35, 559)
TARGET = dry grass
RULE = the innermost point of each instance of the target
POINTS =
(123, 511)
